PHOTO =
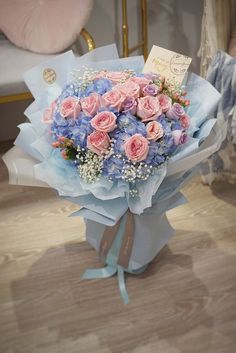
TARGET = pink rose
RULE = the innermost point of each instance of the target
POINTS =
(179, 137)
(136, 148)
(91, 104)
(70, 107)
(104, 121)
(154, 130)
(113, 99)
(98, 142)
(128, 89)
(116, 76)
(165, 102)
(150, 90)
(140, 81)
(148, 108)
(48, 113)
(184, 121)
(129, 105)
(175, 112)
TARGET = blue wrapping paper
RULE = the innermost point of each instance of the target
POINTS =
(34, 162)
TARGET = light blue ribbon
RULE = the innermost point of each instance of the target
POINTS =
(112, 267)
(122, 287)
(105, 272)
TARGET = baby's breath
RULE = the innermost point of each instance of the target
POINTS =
(133, 192)
(91, 167)
(137, 171)
(83, 77)
(129, 72)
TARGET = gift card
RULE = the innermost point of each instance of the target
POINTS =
(168, 63)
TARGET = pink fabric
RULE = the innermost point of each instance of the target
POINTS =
(43, 26)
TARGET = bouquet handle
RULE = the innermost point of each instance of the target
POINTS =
(115, 248)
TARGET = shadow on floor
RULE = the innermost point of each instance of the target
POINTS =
(225, 191)
(168, 301)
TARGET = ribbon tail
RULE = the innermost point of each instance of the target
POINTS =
(122, 287)
(105, 272)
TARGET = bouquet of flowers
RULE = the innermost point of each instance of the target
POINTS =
(119, 143)
(118, 125)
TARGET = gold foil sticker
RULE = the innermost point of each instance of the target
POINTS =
(168, 63)
(49, 76)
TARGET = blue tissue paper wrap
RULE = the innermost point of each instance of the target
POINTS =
(32, 161)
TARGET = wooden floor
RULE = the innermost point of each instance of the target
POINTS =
(184, 303)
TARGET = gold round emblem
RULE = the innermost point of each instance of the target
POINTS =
(179, 64)
(49, 76)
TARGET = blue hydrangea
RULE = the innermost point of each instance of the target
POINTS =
(75, 129)
(101, 86)
(130, 125)
(112, 168)
(62, 126)
(155, 155)
(176, 125)
(69, 91)
(165, 124)
(119, 142)
(110, 109)
(167, 141)
(167, 144)
(81, 131)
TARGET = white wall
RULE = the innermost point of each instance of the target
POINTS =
(172, 24)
